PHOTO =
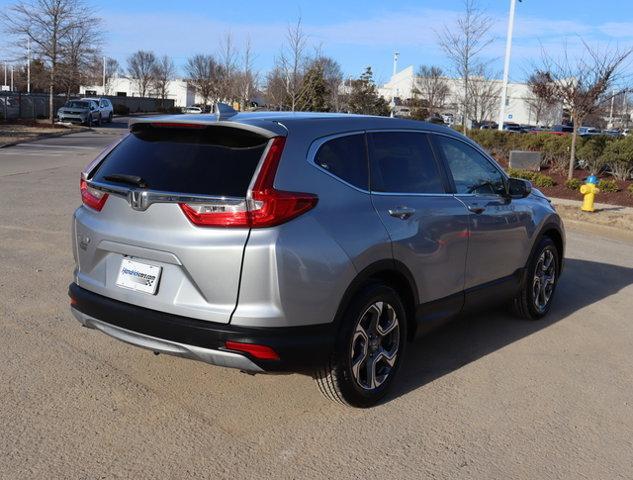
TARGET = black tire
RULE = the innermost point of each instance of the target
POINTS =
(527, 304)
(337, 380)
(110, 117)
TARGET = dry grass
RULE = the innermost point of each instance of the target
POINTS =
(11, 133)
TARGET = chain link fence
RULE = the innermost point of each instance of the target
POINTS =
(31, 106)
(26, 106)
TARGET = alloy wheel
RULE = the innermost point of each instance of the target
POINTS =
(544, 280)
(375, 345)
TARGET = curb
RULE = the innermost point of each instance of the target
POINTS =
(599, 206)
(605, 230)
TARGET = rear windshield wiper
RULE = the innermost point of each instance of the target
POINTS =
(125, 178)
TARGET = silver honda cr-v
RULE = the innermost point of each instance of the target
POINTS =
(312, 243)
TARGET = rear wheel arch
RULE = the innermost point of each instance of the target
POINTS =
(387, 272)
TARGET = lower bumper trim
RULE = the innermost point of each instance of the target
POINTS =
(208, 355)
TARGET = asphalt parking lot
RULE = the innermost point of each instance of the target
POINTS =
(489, 397)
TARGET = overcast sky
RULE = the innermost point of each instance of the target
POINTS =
(356, 33)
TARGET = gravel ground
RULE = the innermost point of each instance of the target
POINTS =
(489, 397)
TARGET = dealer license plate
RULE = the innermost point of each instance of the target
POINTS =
(138, 276)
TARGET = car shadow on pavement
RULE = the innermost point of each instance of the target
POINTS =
(469, 338)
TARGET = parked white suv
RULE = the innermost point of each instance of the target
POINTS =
(105, 108)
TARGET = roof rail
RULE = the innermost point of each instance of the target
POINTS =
(224, 111)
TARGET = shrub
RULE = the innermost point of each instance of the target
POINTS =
(497, 143)
(120, 109)
(608, 186)
(573, 184)
(589, 153)
(556, 151)
(618, 155)
(538, 179)
(630, 189)
(169, 110)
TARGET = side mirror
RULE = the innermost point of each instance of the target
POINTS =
(519, 188)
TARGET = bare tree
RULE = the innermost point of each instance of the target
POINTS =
(432, 87)
(292, 60)
(463, 43)
(204, 73)
(228, 57)
(484, 94)
(164, 72)
(246, 82)
(581, 83)
(276, 88)
(140, 67)
(48, 24)
(79, 48)
(112, 70)
(542, 99)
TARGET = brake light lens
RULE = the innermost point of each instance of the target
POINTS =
(91, 197)
(261, 352)
(265, 207)
(222, 213)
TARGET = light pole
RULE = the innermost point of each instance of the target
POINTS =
(611, 109)
(28, 67)
(506, 65)
(395, 62)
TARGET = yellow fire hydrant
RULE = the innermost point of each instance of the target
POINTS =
(589, 191)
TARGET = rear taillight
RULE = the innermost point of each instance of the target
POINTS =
(92, 197)
(264, 207)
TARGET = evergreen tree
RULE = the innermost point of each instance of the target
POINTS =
(364, 97)
(315, 92)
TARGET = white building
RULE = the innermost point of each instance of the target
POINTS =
(183, 94)
(518, 109)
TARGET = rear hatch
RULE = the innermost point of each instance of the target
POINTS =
(165, 217)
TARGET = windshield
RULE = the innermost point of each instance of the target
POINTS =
(77, 104)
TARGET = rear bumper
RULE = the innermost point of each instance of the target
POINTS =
(300, 349)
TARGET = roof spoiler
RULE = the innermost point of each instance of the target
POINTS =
(224, 111)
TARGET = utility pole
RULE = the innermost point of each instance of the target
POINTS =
(104, 75)
(625, 120)
(5, 74)
(395, 62)
(506, 65)
(12, 77)
(28, 66)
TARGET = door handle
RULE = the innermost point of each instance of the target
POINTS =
(401, 212)
(476, 209)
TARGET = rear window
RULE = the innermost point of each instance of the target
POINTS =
(346, 158)
(208, 161)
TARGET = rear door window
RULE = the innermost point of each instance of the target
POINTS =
(345, 158)
(214, 160)
(403, 162)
